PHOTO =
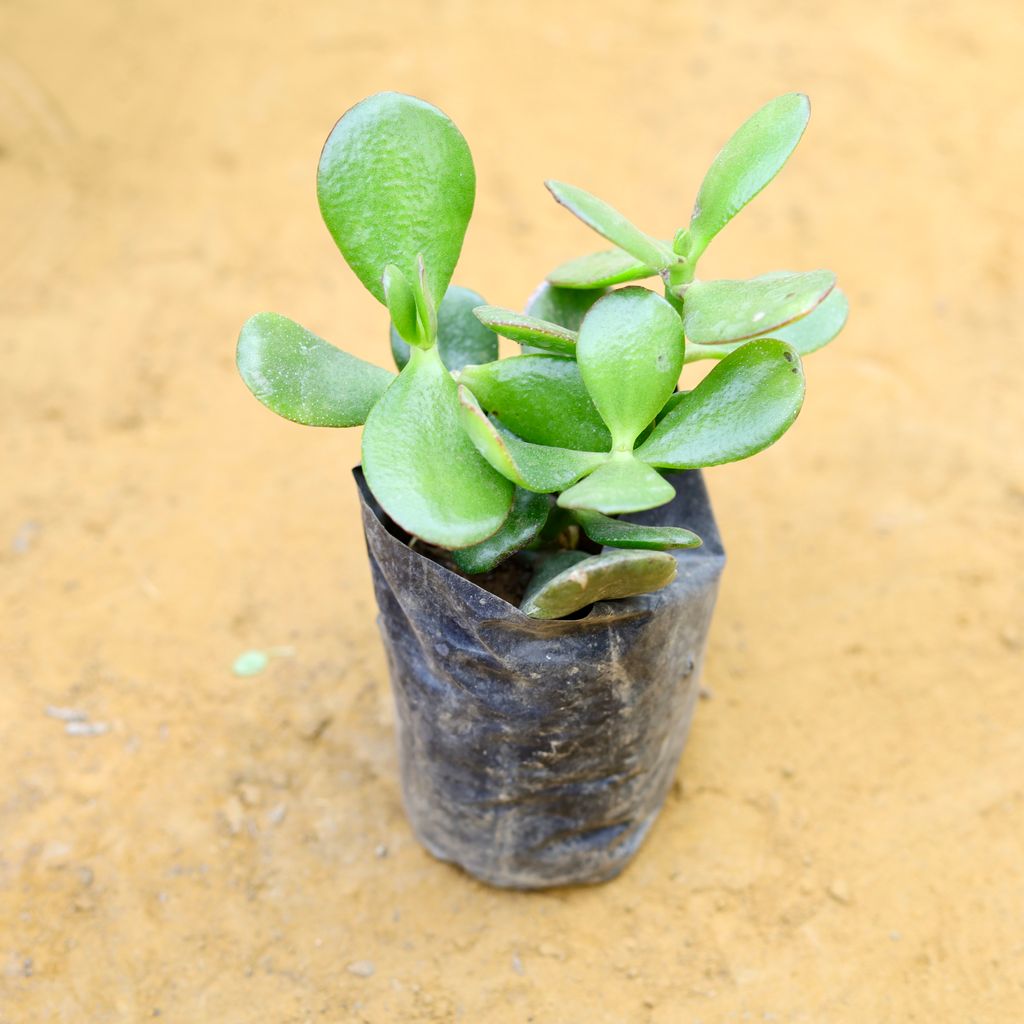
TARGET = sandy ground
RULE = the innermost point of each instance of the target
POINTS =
(846, 841)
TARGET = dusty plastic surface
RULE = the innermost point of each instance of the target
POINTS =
(538, 753)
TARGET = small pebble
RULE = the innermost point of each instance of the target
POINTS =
(234, 815)
(381, 851)
(1012, 638)
(86, 728)
(517, 965)
(19, 967)
(277, 814)
(55, 853)
(66, 714)
(839, 891)
(251, 795)
(310, 721)
(361, 968)
(23, 538)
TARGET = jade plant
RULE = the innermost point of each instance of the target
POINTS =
(535, 455)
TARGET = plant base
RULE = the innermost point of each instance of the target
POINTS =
(538, 753)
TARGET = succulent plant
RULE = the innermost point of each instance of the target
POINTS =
(534, 455)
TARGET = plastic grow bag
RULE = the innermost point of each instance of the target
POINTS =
(536, 752)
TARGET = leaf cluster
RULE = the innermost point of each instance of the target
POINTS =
(536, 455)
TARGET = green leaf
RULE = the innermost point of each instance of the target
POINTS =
(806, 335)
(630, 352)
(747, 162)
(618, 534)
(395, 180)
(724, 311)
(401, 302)
(577, 582)
(426, 308)
(599, 270)
(743, 405)
(524, 524)
(302, 377)
(540, 398)
(549, 564)
(530, 330)
(621, 485)
(673, 401)
(534, 467)
(560, 527)
(461, 339)
(607, 221)
(421, 466)
(563, 306)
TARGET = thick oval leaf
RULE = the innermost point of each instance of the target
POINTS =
(621, 485)
(673, 401)
(302, 377)
(461, 339)
(747, 162)
(422, 467)
(630, 352)
(806, 335)
(600, 270)
(607, 221)
(615, 533)
(401, 302)
(604, 577)
(535, 467)
(541, 399)
(399, 347)
(743, 405)
(529, 330)
(722, 311)
(549, 564)
(426, 307)
(563, 306)
(523, 526)
(395, 180)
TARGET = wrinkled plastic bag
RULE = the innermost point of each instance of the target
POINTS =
(536, 752)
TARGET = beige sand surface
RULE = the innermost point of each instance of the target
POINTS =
(846, 840)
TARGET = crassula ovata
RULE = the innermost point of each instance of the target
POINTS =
(536, 454)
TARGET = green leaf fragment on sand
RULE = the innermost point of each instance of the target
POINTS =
(250, 663)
